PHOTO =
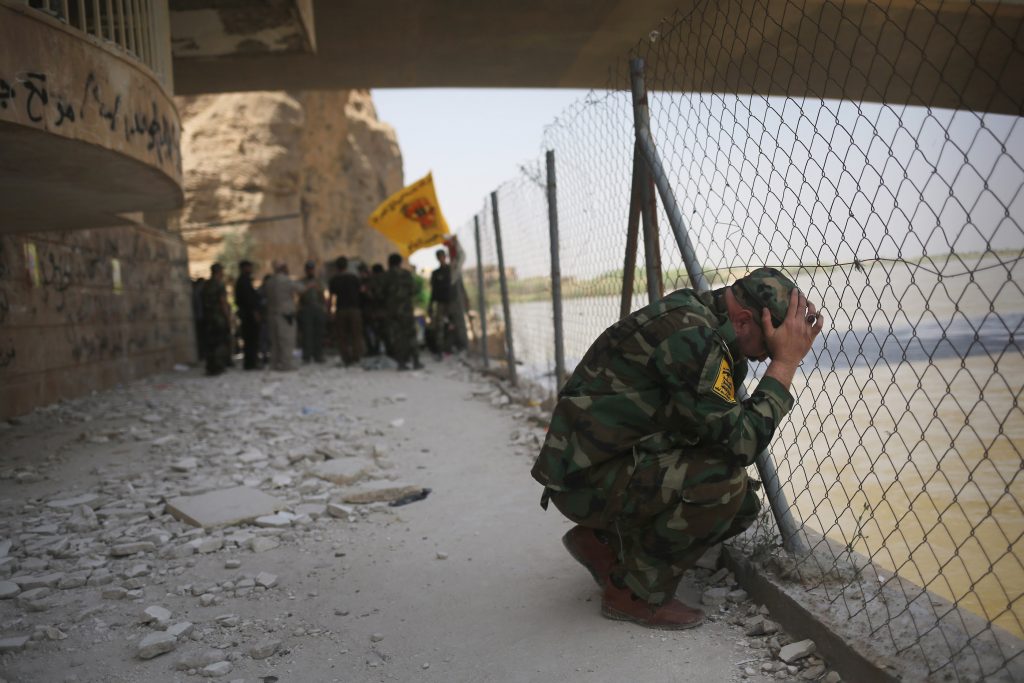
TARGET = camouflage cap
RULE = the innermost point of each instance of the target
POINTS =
(765, 287)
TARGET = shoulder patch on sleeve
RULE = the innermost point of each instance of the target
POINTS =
(723, 385)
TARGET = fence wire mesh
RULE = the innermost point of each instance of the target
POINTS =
(901, 219)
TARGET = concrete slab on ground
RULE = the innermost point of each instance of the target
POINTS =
(224, 507)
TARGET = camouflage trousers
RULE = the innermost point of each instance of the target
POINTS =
(660, 511)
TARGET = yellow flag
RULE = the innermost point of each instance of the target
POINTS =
(411, 217)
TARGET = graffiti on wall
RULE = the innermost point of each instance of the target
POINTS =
(146, 125)
(72, 314)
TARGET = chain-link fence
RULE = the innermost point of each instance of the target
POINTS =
(875, 155)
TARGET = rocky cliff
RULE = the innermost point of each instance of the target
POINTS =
(293, 175)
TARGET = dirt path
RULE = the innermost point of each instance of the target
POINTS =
(470, 584)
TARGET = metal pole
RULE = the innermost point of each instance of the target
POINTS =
(652, 248)
(632, 230)
(506, 309)
(781, 510)
(480, 291)
(556, 271)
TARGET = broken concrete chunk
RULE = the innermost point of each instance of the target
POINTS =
(8, 589)
(157, 615)
(262, 544)
(342, 471)
(156, 643)
(252, 455)
(228, 620)
(44, 581)
(796, 651)
(340, 511)
(264, 649)
(224, 507)
(713, 597)
(266, 579)
(380, 492)
(760, 626)
(216, 670)
(13, 644)
(182, 629)
(64, 503)
(184, 464)
(125, 549)
(207, 545)
(197, 660)
(281, 520)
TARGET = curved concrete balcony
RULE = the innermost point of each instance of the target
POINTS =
(87, 131)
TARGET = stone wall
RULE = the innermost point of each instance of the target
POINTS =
(67, 328)
(296, 174)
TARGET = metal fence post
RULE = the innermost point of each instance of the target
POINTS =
(632, 230)
(556, 270)
(788, 528)
(648, 201)
(480, 290)
(505, 307)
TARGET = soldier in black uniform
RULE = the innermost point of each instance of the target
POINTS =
(247, 301)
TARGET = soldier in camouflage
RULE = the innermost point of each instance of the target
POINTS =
(216, 322)
(648, 446)
(399, 290)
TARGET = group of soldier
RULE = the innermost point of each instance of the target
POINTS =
(371, 312)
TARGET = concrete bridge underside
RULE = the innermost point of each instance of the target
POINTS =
(950, 54)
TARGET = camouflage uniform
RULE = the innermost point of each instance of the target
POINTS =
(312, 320)
(399, 288)
(648, 442)
(216, 327)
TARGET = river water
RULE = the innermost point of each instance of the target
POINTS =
(908, 435)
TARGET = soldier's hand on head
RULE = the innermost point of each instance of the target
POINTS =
(790, 341)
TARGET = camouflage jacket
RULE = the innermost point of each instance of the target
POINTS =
(398, 291)
(664, 377)
(213, 296)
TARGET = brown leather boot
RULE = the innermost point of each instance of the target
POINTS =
(585, 547)
(620, 603)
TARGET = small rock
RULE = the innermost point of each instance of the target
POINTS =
(207, 599)
(760, 626)
(266, 579)
(184, 465)
(738, 595)
(216, 670)
(813, 673)
(197, 660)
(207, 545)
(136, 571)
(8, 589)
(125, 549)
(264, 649)
(832, 677)
(714, 597)
(156, 643)
(232, 564)
(442, 556)
(228, 620)
(182, 629)
(340, 511)
(161, 616)
(262, 544)
(711, 557)
(376, 637)
(13, 644)
(796, 651)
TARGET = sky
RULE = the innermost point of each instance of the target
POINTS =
(793, 181)
(471, 139)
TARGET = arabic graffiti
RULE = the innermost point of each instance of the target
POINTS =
(145, 124)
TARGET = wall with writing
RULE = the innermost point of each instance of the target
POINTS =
(56, 80)
(86, 309)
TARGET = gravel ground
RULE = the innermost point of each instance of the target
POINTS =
(99, 581)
